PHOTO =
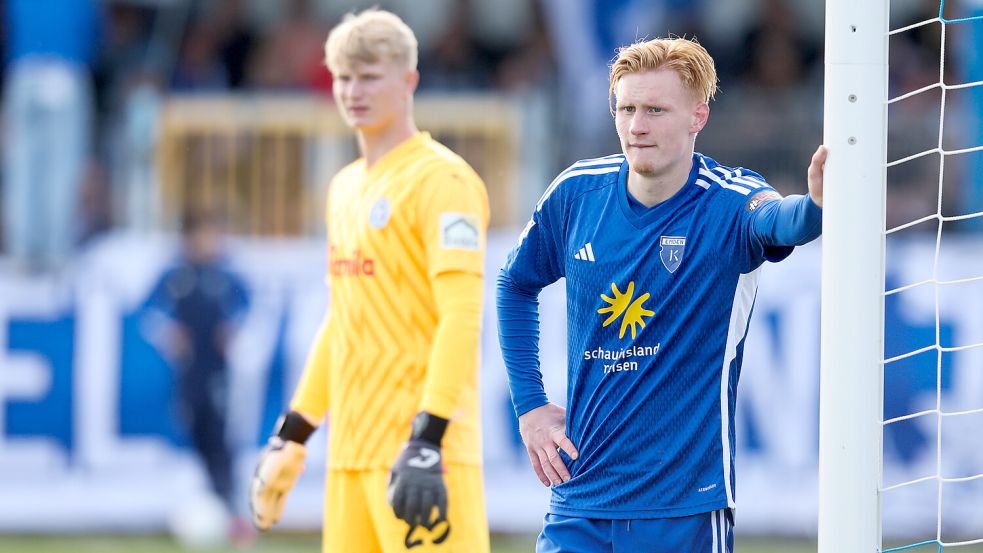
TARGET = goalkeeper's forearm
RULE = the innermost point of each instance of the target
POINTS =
(279, 466)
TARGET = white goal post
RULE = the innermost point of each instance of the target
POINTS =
(851, 365)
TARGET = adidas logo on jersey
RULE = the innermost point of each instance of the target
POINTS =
(585, 254)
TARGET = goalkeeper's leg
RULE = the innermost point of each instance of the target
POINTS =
(466, 517)
(347, 517)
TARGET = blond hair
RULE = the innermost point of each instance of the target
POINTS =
(686, 57)
(371, 36)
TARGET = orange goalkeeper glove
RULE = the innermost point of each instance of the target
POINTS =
(279, 466)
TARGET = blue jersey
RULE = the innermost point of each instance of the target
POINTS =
(658, 304)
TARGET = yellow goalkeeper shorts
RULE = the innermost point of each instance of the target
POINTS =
(358, 519)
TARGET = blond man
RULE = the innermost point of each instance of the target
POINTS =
(660, 247)
(395, 361)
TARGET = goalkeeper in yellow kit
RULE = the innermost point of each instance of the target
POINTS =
(395, 361)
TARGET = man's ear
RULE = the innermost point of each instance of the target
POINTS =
(700, 116)
(412, 80)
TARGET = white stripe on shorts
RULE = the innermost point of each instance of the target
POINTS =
(713, 530)
(723, 531)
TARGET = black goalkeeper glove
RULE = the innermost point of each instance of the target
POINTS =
(416, 484)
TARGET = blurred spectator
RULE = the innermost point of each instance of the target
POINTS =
(776, 53)
(133, 150)
(4, 44)
(48, 110)
(126, 57)
(144, 46)
(199, 66)
(94, 215)
(913, 123)
(771, 92)
(586, 35)
(553, 54)
(456, 61)
(200, 299)
(483, 45)
(971, 56)
(236, 40)
(517, 40)
(291, 55)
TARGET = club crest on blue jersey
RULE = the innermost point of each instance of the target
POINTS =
(671, 251)
(379, 215)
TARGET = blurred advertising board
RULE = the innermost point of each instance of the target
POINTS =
(89, 439)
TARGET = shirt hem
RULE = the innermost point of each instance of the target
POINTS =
(373, 465)
(634, 514)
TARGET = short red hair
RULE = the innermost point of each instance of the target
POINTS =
(687, 58)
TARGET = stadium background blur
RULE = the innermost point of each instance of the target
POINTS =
(225, 104)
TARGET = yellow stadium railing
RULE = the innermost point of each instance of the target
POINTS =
(266, 161)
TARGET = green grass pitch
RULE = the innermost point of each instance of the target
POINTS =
(309, 543)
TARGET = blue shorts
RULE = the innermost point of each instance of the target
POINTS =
(706, 532)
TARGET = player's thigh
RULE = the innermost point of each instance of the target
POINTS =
(347, 517)
(465, 515)
(705, 532)
(563, 534)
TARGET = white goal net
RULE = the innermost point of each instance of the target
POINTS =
(933, 501)
(904, 104)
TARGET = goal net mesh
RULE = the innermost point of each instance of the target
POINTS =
(932, 490)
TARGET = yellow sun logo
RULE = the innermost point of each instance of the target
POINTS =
(622, 304)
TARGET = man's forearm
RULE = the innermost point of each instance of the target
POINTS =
(518, 335)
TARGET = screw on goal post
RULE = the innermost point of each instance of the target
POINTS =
(851, 351)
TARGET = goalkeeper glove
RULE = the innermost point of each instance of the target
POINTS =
(279, 466)
(416, 484)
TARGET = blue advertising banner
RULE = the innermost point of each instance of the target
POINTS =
(90, 434)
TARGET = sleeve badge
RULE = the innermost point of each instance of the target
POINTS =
(760, 198)
(459, 231)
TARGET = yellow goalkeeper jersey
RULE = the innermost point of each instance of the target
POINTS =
(420, 212)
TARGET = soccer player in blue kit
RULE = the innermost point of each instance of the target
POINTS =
(661, 248)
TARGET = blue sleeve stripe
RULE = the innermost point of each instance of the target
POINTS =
(737, 180)
(723, 184)
(750, 175)
(753, 183)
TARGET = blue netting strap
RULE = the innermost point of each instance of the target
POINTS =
(914, 545)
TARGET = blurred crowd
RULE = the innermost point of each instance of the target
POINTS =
(83, 82)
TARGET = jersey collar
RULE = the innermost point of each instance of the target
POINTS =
(399, 152)
(661, 210)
